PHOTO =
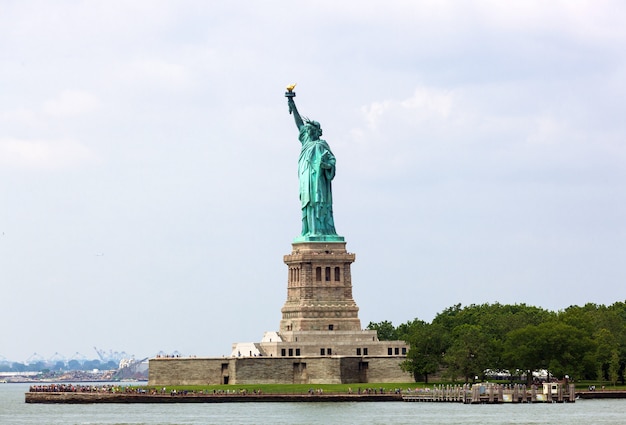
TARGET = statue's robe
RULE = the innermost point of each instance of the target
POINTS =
(316, 170)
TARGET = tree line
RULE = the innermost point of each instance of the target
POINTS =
(581, 343)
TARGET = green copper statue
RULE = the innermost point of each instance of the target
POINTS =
(316, 170)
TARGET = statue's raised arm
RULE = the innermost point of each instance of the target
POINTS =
(290, 94)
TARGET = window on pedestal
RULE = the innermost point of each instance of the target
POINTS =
(389, 351)
(397, 351)
(365, 351)
(283, 352)
(358, 351)
(297, 351)
(322, 351)
(329, 351)
(337, 274)
(290, 352)
(404, 351)
(327, 274)
(318, 274)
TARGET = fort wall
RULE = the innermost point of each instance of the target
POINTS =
(276, 370)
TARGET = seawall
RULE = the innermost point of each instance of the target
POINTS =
(92, 398)
(588, 395)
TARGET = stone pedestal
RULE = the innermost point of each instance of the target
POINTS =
(319, 289)
(320, 338)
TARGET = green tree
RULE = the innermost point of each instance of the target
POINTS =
(606, 327)
(495, 321)
(471, 352)
(428, 344)
(404, 330)
(614, 367)
(385, 329)
(618, 309)
(555, 346)
(606, 346)
(585, 342)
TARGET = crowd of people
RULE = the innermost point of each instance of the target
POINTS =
(117, 389)
(74, 388)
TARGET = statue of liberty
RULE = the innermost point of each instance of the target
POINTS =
(316, 170)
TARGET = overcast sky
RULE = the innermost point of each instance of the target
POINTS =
(148, 163)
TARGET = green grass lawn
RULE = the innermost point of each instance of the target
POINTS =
(292, 388)
(584, 385)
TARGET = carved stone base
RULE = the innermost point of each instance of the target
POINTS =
(319, 289)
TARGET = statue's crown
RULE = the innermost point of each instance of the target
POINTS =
(313, 123)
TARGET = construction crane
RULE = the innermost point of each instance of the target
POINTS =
(115, 356)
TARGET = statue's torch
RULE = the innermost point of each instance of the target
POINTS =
(290, 94)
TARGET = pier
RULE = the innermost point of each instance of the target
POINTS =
(494, 393)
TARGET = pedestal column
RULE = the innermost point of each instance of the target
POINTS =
(319, 289)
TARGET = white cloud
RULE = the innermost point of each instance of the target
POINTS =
(430, 102)
(427, 103)
(154, 72)
(19, 115)
(586, 20)
(46, 154)
(71, 103)
(546, 130)
(374, 112)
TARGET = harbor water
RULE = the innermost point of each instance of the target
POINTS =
(14, 411)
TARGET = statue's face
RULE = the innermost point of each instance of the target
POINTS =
(316, 133)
